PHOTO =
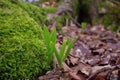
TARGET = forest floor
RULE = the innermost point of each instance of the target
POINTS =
(95, 55)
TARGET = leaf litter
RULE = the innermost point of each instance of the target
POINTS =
(95, 55)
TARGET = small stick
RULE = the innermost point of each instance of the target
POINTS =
(96, 73)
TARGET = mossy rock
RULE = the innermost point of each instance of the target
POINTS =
(22, 51)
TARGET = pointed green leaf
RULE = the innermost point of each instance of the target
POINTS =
(46, 35)
(62, 49)
(53, 36)
(58, 57)
(50, 51)
(70, 45)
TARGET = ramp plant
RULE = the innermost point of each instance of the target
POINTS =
(50, 40)
(64, 51)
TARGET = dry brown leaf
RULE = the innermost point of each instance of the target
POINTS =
(85, 68)
(93, 61)
(66, 67)
(74, 76)
(74, 60)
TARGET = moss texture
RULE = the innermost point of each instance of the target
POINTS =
(37, 13)
(50, 9)
(22, 52)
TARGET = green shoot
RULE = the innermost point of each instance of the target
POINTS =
(70, 45)
(64, 51)
(83, 24)
(50, 40)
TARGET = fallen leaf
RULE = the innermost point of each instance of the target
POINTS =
(93, 61)
(85, 68)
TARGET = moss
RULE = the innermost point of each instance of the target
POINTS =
(41, 1)
(50, 9)
(35, 12)
(112, 16)
(22, 51)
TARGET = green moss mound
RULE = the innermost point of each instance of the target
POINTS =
(22, 52)
(35, 12)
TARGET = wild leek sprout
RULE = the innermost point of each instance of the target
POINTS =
(50, 41)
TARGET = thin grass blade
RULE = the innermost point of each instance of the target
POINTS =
(53, 37)
(46, 35)
(58, 57)
(70, 45)
(62, 49)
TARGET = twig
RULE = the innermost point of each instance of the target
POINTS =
(108, 75)
(68, 13)
(105, 69)
(96, 73)
(74, 21)
(110, 72)
(115, 2)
